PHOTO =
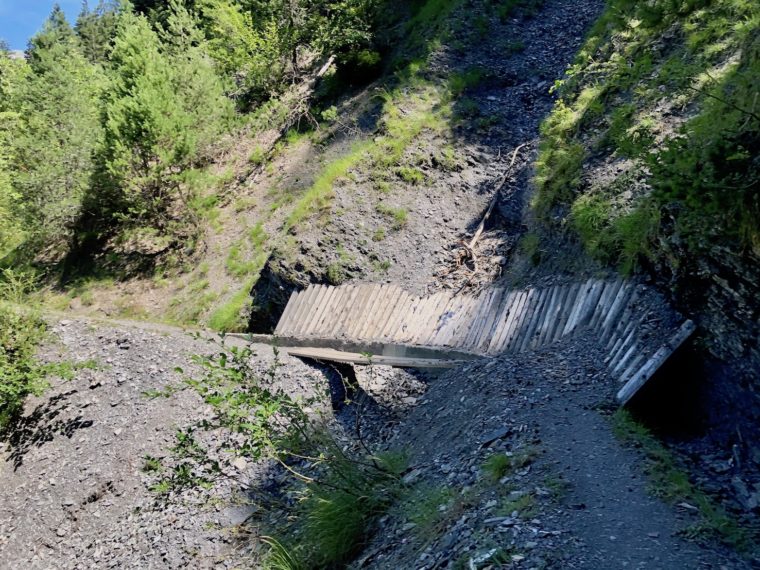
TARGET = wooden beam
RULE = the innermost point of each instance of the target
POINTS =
(333, 355)
(651, 366)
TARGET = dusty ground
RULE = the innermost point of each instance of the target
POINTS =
(590, 505)
(74, 492)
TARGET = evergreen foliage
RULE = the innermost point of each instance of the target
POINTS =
(164, 106)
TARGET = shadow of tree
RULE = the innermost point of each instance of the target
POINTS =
(41, 426)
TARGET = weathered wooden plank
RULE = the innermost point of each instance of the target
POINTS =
(625, 298)
(402, 307)
(544, 324)
(333, 311)
(547, 336)
(333, 355)
(510, 329)
(504, 323)
(490, 334)
(634, 364)
(534, 313)
(339, 329)
(321, 308)
(405, 317)
(653, 364)
(470, 322)
(485, 301)
(590, 305)
(391, 304)
(605, 303)
(373, 308)
(445, 323)
(282, 324)
(360, 316)
(580, 301)
(524, 315)
(304, 309)
(500, 299)
(431, 322)
(567, 307)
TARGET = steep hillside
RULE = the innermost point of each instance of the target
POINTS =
(648, 161)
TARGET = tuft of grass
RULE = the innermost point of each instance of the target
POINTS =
(399, 216)
(427, 507)
(524, 506)
(410, 175)
(319, 195)
(460, 82)
(232, 316)
(501, 464)
(497, 466)
(337, 513)
(379, 234)
(530, 245)
(670, 482)
(258, 155)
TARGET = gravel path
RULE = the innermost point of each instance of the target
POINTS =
(72, 490)
(589, 504)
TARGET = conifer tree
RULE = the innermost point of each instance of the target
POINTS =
(96, 29)
(158, 115)
(57, 131)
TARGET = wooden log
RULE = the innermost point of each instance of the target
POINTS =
(567, 307)
(538, 312)
(579, 303)
(646, 372)
(282, 324)
(506, 312)
(494, 200)
(332, 355)
(321, 308)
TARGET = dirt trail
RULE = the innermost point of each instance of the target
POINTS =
(588, 503)
(72, 490)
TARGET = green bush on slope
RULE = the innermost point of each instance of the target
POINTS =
(642, 64)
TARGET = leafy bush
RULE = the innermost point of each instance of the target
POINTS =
(21, 329)
(343, 488)
(699, 184)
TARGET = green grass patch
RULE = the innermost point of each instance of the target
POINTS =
(701, 176)
(398, 216)
(670, 482)
(233, 315)
(319, 195)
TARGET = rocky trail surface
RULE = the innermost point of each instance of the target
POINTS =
(74, 492)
